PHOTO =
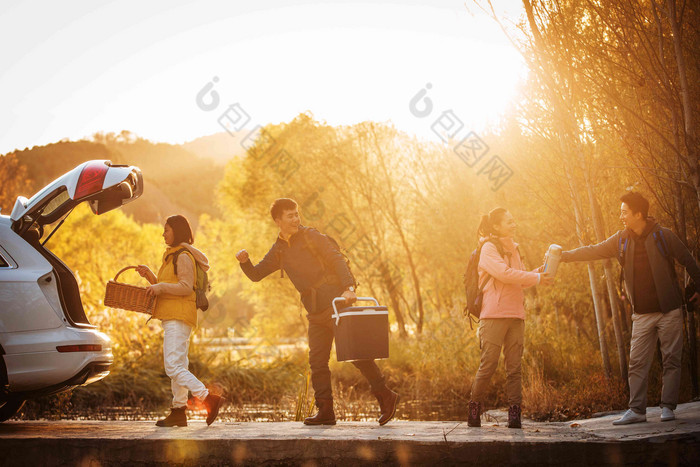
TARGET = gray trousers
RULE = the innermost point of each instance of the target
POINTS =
(646, 330)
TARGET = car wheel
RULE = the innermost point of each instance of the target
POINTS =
(9, 408)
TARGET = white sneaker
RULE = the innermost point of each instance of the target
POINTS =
(667, 414)
(630, 417)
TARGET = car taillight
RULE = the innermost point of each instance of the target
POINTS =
(91, 179)
(79, 348)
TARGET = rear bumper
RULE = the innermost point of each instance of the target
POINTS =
(92, 372)
(34, 364)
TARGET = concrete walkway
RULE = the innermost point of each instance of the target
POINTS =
(585, 442)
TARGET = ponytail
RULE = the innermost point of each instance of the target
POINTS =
(484, 229)
(489, 220)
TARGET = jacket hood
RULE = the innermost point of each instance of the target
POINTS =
(200, 257)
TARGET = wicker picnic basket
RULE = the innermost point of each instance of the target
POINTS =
(127, 296)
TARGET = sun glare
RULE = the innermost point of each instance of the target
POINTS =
(344, 62)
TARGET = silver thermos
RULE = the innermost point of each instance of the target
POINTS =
(552, 259)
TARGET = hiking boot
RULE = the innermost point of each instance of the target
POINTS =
(474, 414)
(514, 416)
(212, 402)
(667, 414)
(388, 400)
(177, 417)
(630, 417)
(325, 414)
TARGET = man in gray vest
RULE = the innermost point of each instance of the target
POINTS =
(647, 252)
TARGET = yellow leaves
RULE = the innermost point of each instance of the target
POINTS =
(14, 181)
(97, 247)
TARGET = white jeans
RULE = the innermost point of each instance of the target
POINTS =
(176, 343)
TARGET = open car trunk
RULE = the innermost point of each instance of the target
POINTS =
(67, 286)
(104, 186)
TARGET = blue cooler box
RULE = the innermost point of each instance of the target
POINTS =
(361, 332)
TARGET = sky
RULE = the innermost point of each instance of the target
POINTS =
(74, 68)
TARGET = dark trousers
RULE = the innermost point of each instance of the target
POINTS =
(321, 335)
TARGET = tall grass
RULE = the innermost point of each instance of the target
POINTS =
(304, 407)
(433, 373)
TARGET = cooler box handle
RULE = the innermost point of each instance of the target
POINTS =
(341, 299)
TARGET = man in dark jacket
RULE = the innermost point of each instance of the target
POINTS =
(646, 252)
(320, 274)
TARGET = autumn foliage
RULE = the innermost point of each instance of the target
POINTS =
(610, 103)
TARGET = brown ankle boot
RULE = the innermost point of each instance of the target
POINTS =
(388, 400)
(474, 418)
(514, 416)
(212, 402)
(325, 414)
(177, 417)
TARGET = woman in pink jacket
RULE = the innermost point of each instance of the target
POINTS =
(502, 320)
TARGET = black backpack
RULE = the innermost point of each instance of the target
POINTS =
(201, 281)
(336, 246)
(474, 292)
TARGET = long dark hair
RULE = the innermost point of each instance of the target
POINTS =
(494, 217)
(182, 232)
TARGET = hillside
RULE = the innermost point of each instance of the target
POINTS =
(219, 147)
(176, 180)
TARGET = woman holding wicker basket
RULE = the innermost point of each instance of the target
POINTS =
(176, 308)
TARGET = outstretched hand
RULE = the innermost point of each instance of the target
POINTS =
(546, 278)
(242, 256)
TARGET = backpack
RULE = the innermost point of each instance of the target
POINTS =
(201, 281)
(336, 246)
(474, 292)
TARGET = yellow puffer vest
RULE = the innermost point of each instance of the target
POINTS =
(182, 307)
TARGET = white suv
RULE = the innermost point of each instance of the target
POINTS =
(47, 344)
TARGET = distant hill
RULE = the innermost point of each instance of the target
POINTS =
(219, 147)
(176, 180)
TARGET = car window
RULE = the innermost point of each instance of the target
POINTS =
(59, 200)
(3, 262)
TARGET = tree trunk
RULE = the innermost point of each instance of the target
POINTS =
(692, 347)
(390, 286)
(686, 99)
(609, 281)
(561, 115)
(597, 305)
(394, 219)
